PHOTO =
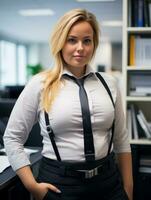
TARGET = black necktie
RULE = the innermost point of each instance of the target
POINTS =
(87, 128)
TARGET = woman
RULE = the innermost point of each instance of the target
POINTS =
(81, 120)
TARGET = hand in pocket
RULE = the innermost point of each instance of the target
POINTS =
(41, 190)
(51, 195)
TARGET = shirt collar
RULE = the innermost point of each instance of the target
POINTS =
(89, 71)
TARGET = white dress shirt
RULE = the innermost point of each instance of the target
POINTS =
(66, 120)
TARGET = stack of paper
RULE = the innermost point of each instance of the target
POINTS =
(4, 163)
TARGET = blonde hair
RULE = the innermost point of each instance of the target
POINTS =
(52, 77)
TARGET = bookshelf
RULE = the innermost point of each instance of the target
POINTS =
(135, 70)
(137, 75)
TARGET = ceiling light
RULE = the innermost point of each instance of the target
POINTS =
(111, 23)
(36, 12)
(95, 1)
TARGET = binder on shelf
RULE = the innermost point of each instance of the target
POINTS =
(143, 51)
(134, 123)
(145, 121)
(140, 20)
(145, 161)
(145, 170)
(144, 127)
(140, 91)
(129, 15)
(145, 164)
(139, 83)
(140, 127)
(143, 130)
(140, 13)
(139, 50)
(149, 11)
(132, 51)
(129, 123)
(134, 12)
(146, 13)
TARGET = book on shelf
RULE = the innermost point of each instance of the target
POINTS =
(145, 160)
(130, 14)
(142, 123)
(143, 51)
(140, 91)
(143, 89)
(144, 120)
(140, 20)
(139, 83)
(140, 12)
(149, 124)
(145, 163)
(146, 14)
(143, 126)
(145, 170)
(139, 127)
(134, 123)
(132, 50)
(129, 123)
(134, 12)
(139, 50)
(148, 10)
(139, 94)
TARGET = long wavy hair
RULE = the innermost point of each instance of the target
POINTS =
(52, 78)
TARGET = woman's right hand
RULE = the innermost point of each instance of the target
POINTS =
(40, 190)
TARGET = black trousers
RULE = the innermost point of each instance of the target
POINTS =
(107, 185)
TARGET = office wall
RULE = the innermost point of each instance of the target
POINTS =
(45, 57)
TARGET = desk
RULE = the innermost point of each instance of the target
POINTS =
(11, 187)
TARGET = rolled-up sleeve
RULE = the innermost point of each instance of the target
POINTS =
(121, 136)
(23, 116)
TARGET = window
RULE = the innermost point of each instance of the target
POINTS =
(12, 63)
(8, 63)
(22, 62)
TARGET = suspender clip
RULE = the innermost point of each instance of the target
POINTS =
(90, 156)
(48, 127)
(50, 131)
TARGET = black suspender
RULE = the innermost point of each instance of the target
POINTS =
(106, 86)
(51, 133)
(110, 94)
(51, 136)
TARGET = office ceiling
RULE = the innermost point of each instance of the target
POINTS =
(37, 29)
